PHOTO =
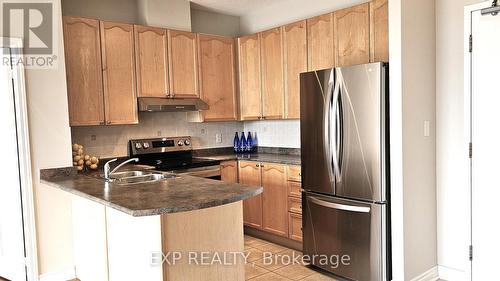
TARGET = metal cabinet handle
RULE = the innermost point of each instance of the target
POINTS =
(338, 206)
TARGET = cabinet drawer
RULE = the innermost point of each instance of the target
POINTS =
(294, 173)
(295, 205)
(295, 227)
(294, 189)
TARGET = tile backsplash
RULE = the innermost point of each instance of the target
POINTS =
(112, 141)
(276, 133)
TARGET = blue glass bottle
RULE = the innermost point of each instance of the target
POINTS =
(249, 143)
(236, 142)
(243, 143)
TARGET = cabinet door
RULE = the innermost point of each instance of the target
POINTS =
(250, 174)
(295, 229)
(320, 44)
(183, 62)
(272, 74)
(120, 99)
(82, 48)
(250, 78)
(217, 77)
(274, 199)
(151, 61)
(379, 31)
(229, 171)
(352, 34)
(295, 52)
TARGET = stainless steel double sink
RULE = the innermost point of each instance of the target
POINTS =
(138, 177)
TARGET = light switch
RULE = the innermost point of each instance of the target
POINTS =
(427, 128)
(218, 138)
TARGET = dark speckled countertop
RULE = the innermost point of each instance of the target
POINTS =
(258, 157)
(180, 194)
(287, 156)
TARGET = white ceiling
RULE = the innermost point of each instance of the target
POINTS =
(232, 7)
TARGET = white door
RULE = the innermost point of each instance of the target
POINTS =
(12, 252)
(485, 137)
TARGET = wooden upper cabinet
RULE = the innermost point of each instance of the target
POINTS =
(250, 174)
(120, 99)
(379, 31)
(275, 199)
(295, 52)
(151, 59)
(229, 171)
(249, 77)
(320, 42)
(183, 64)
(272, 74)
(352, 34)
(82, 49)
(217, 77)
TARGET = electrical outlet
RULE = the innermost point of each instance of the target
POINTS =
(158, 133)
(93, 137)
(202, 131)
(218, 138)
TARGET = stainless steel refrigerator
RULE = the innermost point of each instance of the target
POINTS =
(345, 170)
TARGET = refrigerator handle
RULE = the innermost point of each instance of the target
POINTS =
(327, 127)
(338, 206)
(333, 140)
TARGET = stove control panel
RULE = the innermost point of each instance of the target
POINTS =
(159, 145)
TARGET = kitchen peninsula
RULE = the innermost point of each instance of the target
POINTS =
(124, 231)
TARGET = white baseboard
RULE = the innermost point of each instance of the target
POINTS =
(64, 275)
(430, 275)
(451, 274)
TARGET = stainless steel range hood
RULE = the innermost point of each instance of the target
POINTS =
(171, 105)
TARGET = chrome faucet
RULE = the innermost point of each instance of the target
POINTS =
(107, 173)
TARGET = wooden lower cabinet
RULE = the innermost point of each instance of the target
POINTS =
(295, 226)
(274, 199)
(229, 171)
(278, 209)
(250, 174)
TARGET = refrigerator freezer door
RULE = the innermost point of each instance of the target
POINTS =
(345, 230)
(316, 94)
(362, 114)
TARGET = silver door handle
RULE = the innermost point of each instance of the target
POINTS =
(338, 206)
(333, 156)
(326, 128)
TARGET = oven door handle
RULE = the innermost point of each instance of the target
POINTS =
(206, 172)
(338, 206)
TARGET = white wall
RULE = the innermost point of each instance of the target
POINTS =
(419, 156)
(50, 147)
(214, 23)
(111, 141)
(173, 14)
(123, 10)
(451, 158)
(276, 13)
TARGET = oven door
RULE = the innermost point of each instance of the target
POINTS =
(349, 234)
(209, 172)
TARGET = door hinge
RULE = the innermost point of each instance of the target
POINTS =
(470, 252)
(470, 43)
(470, 150)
